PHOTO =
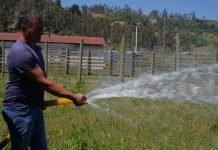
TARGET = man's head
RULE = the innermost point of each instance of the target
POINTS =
(31, 25)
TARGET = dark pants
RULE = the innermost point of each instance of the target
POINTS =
(26, 128)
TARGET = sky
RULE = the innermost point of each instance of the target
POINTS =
(202, 8)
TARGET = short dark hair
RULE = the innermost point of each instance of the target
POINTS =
(26, 17)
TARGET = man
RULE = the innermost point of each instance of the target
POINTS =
(24, 97)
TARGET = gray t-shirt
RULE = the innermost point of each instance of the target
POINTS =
(21, 92)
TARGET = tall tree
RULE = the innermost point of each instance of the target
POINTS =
(164, 16)
(193, 16)
(140, 12)
(75, 9)
(154, 13)
(127, 9)
(58, 3)
(84, 9)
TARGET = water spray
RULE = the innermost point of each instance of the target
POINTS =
(193, 84)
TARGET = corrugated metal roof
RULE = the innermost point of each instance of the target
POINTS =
(57, 39)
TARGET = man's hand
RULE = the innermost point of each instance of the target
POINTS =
(37, 75)
(79, 99)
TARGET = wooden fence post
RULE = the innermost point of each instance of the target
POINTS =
(195, 59)
(3, 59)
(216, 56)
(89, 62)
(110, 62)
(153, 62)
(67, 61)
(175, 58)
(178, 53)
(133, 55)
(46, 57)
(181, 49)
(122, 58)
(80, 61)
(133, 64)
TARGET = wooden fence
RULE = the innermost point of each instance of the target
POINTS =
(117, 63)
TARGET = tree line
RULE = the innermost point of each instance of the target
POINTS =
(155, 28)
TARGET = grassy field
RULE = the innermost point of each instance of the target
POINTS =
(128, 124)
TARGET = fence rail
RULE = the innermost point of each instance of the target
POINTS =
(107, 62)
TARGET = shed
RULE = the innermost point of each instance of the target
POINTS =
(58, 41)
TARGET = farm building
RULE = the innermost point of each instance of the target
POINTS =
(58, 42)
(63, 51)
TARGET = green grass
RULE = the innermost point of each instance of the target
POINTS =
(211, 38)
(130, 123)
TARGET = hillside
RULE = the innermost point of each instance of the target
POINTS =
(113, 22)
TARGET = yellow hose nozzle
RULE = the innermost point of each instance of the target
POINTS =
(60, 101)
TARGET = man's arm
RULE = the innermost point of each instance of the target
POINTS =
(37, 75)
